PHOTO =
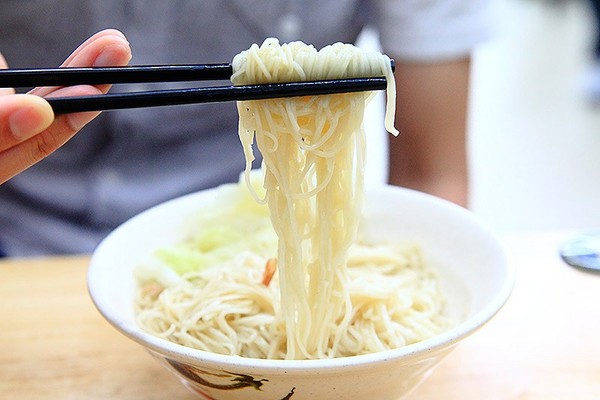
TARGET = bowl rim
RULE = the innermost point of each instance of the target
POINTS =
(193, 356)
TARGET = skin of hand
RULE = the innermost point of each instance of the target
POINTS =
(29, 131)
(430, 153)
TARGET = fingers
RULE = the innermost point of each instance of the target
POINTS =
(75, 57)
(28, 130)
(65, 126)
(105, 48)
(21, 117)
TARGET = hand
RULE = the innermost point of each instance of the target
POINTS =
(29, 131)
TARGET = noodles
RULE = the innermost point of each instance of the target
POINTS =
(395, 302)
(312, 151)
(329, 298)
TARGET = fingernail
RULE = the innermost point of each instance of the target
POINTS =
(28, 121)
(107, 55)
(81, 119)
(115, 32)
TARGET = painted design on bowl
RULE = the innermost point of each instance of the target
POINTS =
(228, 380)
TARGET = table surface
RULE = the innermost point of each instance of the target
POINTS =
(544, 344)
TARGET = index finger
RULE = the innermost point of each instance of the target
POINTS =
(106, 48)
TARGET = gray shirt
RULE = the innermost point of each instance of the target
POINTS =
(127, 161)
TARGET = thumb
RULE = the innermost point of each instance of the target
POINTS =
(24, 116)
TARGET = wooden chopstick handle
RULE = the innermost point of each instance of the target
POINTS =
(64, 105)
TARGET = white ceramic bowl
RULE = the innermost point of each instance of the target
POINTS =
(475, 274)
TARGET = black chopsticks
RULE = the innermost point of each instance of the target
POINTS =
(98, 75)
(65, 105)
(170, 73)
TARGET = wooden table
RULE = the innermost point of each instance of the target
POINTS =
(545, 343)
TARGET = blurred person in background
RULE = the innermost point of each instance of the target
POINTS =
(129, 160)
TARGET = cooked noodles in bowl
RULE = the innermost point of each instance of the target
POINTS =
(225, 294)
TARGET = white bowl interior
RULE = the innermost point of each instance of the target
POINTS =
(475, 274)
